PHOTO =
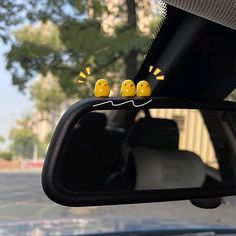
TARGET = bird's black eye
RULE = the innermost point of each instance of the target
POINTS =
(99, 84)
(141, 85)
(125, 84)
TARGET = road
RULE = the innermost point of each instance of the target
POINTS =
(22, 199)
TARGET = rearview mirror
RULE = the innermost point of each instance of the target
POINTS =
(117, 151)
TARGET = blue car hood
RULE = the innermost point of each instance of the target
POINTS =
(108, 225)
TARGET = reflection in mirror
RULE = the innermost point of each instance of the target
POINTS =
(150, 150)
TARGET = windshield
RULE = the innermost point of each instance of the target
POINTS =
(51, 54)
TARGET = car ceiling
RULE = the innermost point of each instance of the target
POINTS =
(218, 11)
(197, 57)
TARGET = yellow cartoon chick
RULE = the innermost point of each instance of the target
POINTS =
(143, 89)
(102, 88)
(127, 88)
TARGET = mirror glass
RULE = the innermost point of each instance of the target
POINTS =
(130, 150)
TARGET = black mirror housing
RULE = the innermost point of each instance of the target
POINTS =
(58, 193)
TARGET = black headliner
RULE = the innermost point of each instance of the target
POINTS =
(197, 56)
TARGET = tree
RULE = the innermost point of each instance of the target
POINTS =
(11, 14)
(23, 138)
(70, 35)
(2, 139)
(48, 98)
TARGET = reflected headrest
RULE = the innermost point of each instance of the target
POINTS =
(167, 169)
(93, 120)
(161, 134)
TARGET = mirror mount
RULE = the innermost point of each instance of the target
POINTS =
(207, 203)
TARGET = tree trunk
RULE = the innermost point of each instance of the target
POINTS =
(132, 17)
(131, 64)
(131, 58)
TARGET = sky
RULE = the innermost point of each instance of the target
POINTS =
(13, 104)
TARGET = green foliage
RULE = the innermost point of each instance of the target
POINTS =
(22, 138)
(9, 16)
(44, 35)
(2, 139)
(6, 156)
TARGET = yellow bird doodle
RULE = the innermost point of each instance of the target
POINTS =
(102, 88)
(127, 88)
(143, 89)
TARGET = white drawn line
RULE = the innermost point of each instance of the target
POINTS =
(120, 104)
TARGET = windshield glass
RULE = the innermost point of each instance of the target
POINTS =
(51, 54)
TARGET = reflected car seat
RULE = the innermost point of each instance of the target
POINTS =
(171, 169)
(160, 134)
(154, 133)
(87, 152)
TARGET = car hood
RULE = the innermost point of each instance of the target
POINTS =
(108, 225)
